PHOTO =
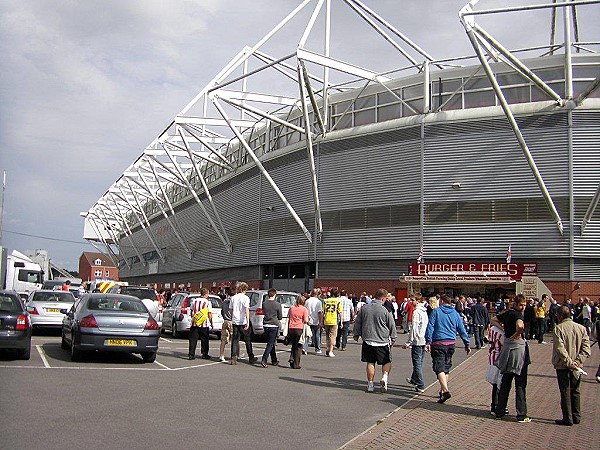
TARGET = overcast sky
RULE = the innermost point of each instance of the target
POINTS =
(86, 85)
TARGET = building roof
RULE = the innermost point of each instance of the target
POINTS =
(93, 256)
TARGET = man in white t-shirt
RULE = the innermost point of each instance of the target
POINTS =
(315, 319)
(240, 320)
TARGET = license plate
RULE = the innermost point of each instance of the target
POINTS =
(121, 342)
(53, 310)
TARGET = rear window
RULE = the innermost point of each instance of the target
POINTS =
(115, 304)
(10, 303)
(54, 296)
(286, 299)
(216, 302)
(140, 293)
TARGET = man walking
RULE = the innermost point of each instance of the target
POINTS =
(240, 320)
(332, 310)
(571, 347)
(315, 319)
(416, 342)
(513, 359)
(200, 330)
(346, 317)
(480, 320)
(375, 325)
(440, 339)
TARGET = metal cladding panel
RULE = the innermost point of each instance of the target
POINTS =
(363, 270)
(527, 240)
(375, 175)
(294, 181)
(371, 244)
(487, 161)
(285, 249)
(587, 269)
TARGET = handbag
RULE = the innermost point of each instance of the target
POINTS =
(200, 317)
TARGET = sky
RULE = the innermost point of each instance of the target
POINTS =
(86, 85)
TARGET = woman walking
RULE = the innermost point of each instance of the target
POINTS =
(297, 317)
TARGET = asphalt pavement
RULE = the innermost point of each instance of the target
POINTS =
(117, 401)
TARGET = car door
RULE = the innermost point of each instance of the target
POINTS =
(167, 318)
(254, 305)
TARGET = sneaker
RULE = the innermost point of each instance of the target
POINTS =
(233, 361)
(275, 363)
(563, 422)
(343, 349)
(370, 387)
(445, 396)
(304, 352)
(222, 358)
(264, 364)
(383, 384)
(318, 352)
(331, 355)
(252, 360)
(524, 420)
(191, 357)
(598, 378)
(419, 390)
(410, 381)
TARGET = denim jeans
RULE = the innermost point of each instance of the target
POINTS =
(416, 354)
(271, 335)
(342, 336)
(316, 338)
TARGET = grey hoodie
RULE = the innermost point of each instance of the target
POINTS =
(375, 324)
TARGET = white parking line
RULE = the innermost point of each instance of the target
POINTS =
(43, 355)
(162, 365)
(165, 339)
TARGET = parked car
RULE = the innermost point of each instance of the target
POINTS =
(15, 326)
(110, 322)
(257, 297)
(56, 285)
(178, 320)
(148, 294)
(47, 308)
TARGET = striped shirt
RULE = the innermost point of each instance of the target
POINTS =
(496, 337)
(346, 308)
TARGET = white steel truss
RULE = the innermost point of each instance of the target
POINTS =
(291, 92)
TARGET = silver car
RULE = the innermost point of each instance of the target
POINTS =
(110, 322)
(257, 297)
(47, 308)
(178, 320)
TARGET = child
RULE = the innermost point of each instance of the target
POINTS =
(493, 375)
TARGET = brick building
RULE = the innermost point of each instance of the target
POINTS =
(94, 265)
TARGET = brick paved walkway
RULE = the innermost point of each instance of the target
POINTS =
(465, 421)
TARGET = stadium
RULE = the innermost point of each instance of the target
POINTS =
(471, 174)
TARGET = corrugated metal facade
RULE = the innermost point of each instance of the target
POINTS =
(479, 195)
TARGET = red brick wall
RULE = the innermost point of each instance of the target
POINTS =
(562, 290)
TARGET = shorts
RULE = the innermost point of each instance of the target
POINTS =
(376, 354)
(226, 331)
(330, 332)
(441, 358)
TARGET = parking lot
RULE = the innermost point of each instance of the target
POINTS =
(118, 400)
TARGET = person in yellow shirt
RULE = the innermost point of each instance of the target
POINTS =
(332, 311)
(540, 317)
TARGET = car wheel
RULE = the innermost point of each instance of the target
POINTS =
(75, 353)
(25, 353)
(175, 331)
(63, 342)
(149, 357)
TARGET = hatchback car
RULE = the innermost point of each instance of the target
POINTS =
(110, 322)
(177, 318)
(15, 326)
(257, 297)
(48, 308)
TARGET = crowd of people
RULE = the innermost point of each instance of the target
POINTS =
(432, 325)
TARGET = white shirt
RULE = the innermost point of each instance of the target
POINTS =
(239, 304)
(314, 306)
(151, 306)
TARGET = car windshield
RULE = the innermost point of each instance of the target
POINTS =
(115, 304)
(10, 303)
(140, 293)
(286, 299)
(54, 296)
